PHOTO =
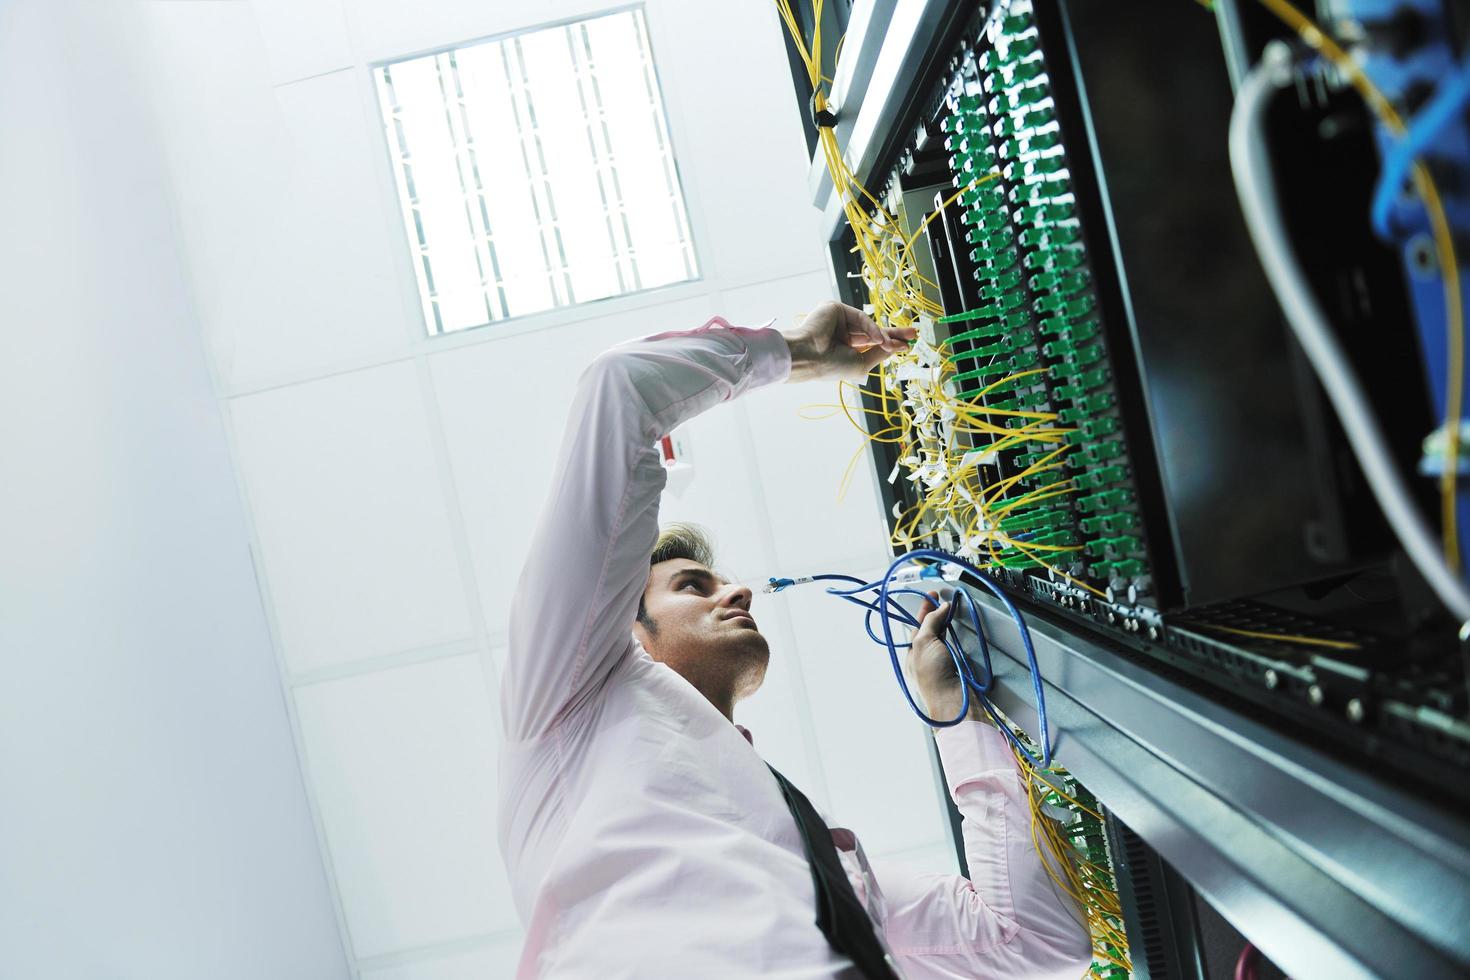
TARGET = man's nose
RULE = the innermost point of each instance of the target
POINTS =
(737, 595)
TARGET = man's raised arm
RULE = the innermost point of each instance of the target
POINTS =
(574, 607)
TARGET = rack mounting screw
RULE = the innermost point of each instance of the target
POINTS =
(1355, 711)
(1272, 679)
(1314, 695)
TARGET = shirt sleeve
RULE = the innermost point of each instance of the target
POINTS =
(1007, 918)
(572, 614)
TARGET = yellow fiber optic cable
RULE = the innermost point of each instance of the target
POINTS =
(1311, 641)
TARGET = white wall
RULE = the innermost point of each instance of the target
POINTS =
(153, 818)
(392, 477)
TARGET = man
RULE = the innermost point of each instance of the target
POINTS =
(644, 835)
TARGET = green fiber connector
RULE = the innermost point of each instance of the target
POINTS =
(973, 125)
(987, 195)
(1017, 339)
(975, 166)
(1097, 524)
(1056, 234)
(1042, 478)
(1022, 360)
(993, 291)
(1080, 330)
(1091, 379)
(1037, 213)
(1018, 319)
(1101, 477)
(1078, 305)
(1107, 500)
(992, 239)
(1003, 404)
(1043, 141)
(1055, 324)
(1011, 279)
(1068, 393)
(1065, 371)
(1049, 191)
(999, 262)
(1032, 518)
(970, 103)
(1098, 403)
(987, 312)
(1056, 259)
(987, 219)
(990, 350)
(1035, 116)
(988, 371)
(1020, 98)
(1022, 46)
(1089, 353)
(1130, 567)
(1048, 172)
(1069, 415)
(1026, 71)
(1098, 452)
(1032, 399)
(1060, 536)
(1096, 428)
(1094, 404)
(1062, 282)
(1114, 548)
(974, 146)
(974, 333)
(1039, 237)
(1091, 503)
(1123, 544)
(1052, 303)
(1095, 454)
(1123, 520)
(1015, 24)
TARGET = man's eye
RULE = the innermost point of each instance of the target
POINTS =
(690, 585)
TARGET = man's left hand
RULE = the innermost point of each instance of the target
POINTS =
(933, 669)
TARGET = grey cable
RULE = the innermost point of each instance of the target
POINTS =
(1263, 217)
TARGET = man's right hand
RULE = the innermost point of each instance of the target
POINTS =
(840, 341)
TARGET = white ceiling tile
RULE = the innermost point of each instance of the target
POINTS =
(350, 514)
(497, 958)
(303, 37)
(284, 201)
(402, 763)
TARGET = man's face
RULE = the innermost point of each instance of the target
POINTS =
(703, 627)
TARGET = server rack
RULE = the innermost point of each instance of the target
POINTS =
(1315, 800)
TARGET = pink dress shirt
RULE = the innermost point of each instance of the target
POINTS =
(644, 836)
